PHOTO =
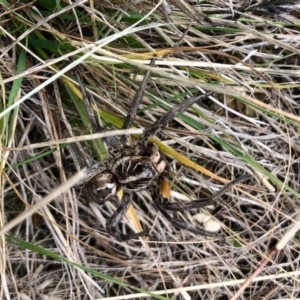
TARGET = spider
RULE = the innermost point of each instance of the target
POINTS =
(137, 166)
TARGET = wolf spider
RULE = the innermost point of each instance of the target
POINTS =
(137, 166)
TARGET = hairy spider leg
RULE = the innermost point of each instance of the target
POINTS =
(135, 105)
(162, 202)
(200, 202)
(170, 115)
(115, 219)
(160, 195)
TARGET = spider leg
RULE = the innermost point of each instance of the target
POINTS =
(179, 223)
(160, 123)
(201, 202)
(186, 205)
(116, 218)
(135, 104)
(159, 197)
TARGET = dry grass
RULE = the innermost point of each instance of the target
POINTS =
(250, 125)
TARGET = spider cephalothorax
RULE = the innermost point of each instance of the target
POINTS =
(137, 172)
(136, 166)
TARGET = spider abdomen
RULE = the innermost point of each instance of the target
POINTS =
(135, 172)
